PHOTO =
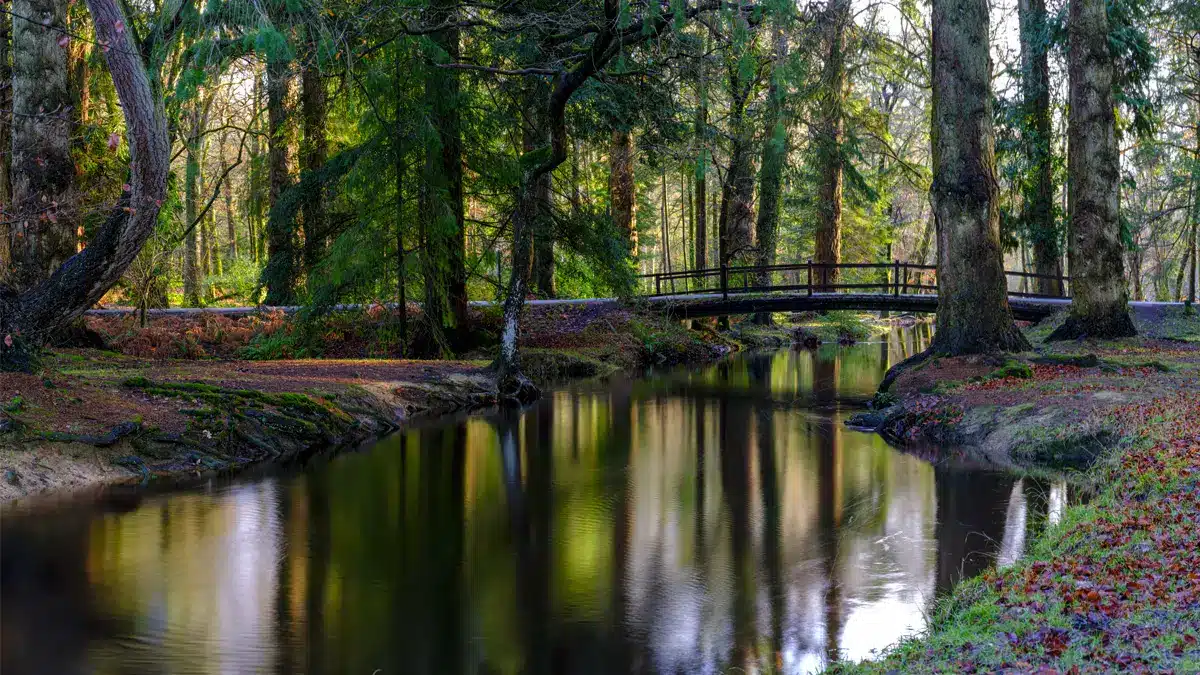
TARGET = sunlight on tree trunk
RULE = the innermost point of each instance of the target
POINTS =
(1099, 304)
(973, 314)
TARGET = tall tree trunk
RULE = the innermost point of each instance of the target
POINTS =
(621, 188)
(830, 133)
(313, 153)
(5, 144)
(665, 226)
(1041, 226)
(535, 135)
(231, 251)
(770, 176)
(42, 223)
(280, 273)
(29, 318)
(441, 202)
(973, 314)
(191, 209)
(702, 161)
(737, 194)
(1100, 301)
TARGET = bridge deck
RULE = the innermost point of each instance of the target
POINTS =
(694, 306)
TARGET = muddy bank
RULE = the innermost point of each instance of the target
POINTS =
(1048, 409)
(94, 419)
(162, 408)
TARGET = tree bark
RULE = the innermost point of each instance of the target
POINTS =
(231, 251)
(441, 202)
(737, 193)
(770, 175)
(830, 134)
(191, 199)
(42, 224)
(5, 144)
(280, 273)
(1041, 225)
(1100, 301)
(29, 318)
(622, 192)
(973, 314)
(535, 134)
(313, 153)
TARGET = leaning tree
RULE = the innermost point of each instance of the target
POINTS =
(594, 42)
(29, 316)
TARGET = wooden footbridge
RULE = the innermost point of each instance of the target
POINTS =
(890, 286)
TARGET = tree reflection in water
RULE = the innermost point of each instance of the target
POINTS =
(691, 522)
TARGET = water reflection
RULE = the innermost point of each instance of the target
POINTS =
(690, 523)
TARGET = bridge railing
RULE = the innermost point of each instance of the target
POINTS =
(893, 278)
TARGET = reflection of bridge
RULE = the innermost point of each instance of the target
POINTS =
(895, 286)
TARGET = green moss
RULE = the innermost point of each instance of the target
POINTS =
(1077, 360)
(1011, 368)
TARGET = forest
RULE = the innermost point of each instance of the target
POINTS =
(602, 336)
(186, 154)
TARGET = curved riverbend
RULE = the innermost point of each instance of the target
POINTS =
(689, 521)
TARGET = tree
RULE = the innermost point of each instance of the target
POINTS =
(774, 155)
(830, 134)
(610, 35)
(41, 222)
(314, 151)
(441, 196)
(973, 314)
(281, 272)
(621, 187)
(1100, 301)
(28, 317)
(1040, 223)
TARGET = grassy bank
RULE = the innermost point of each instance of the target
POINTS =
(184, 397)
(1115, 587)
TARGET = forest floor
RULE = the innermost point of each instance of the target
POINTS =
(184, 398)
(1116, 585)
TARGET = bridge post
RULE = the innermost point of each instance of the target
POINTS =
(896, 278)
(810, 277)
(724, 281)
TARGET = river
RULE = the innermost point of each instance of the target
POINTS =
(691, 521)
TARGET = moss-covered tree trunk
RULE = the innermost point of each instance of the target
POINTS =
(700, 207)
(973, 314)
(770, 175)
(281, 271)
(5, 143)
(191, 199)
(830, 134)
(314, 152)
(29, 317)
(1100, 301)
(41, 222)
(535, 134)
(441, 196)
(1040, 222)
(622, 191)
(735, 226)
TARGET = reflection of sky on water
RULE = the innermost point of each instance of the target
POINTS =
(697, 522)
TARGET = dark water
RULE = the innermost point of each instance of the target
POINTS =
(689, 522)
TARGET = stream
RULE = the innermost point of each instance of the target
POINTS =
(699, 520)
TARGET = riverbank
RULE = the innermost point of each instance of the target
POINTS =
(1115, 586)
(184, 398)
